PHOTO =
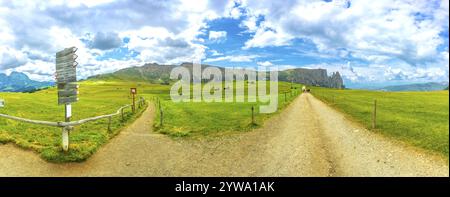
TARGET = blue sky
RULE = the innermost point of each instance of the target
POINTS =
(369, 42)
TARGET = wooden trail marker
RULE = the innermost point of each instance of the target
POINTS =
(374, 117)
(66, 76)
(66, 51)
(133, 92)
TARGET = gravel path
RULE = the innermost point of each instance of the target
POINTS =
(307, 139)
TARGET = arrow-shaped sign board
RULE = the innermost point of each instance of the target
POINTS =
(67, 93)
(65, 75)
(65, 78)
(66, 58)
(67, 100)
(68, 86)
(66, 52)
(65, 65)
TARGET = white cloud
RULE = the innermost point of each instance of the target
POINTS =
(264, 38)
(215, 53)
(163, 32)
(235, 13)
(106, 41)
(10, 58)
(265, 63)
(384, 33)
(217, 36)
(234, 58)
(373, 30)
(156, 44)
(375, 73)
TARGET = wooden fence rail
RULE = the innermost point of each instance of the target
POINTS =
(67, 125)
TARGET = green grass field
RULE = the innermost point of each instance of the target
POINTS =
(418, 118)
(197, 119)
(96, 98)
(100, 97)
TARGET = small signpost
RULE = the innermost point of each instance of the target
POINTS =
(2, 103)
(133, 92)
(66, 78)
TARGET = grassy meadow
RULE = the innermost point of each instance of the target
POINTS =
(96, 98)
(105, 97)
(216, 118)
(417, 118)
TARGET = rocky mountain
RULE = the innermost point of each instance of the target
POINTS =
(431, 86)
(160, 73)
(20, 82)
(314, 77)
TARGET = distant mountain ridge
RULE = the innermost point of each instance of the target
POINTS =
(431, 86)
(314, 77)
(20, 82)
(160, 73)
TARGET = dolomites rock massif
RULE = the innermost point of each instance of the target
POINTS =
(314, 77)
(160, 73)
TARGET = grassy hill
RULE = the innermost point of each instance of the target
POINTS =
(148, 73)
(99, 97)
(156, 73)
(418, 118)
(432, 86)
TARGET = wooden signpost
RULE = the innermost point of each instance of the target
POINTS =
(66, 77)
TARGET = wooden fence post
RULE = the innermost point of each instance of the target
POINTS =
(253, 115)
(66, 130)
(109, 124)
(284, 96)
(134, 104)
(374, 117)
(65, 138)
(121, 112)
(161, 114)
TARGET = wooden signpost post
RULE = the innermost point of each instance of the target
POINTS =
(66, 76)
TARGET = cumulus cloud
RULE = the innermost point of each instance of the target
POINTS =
(158, 31)
(155, 44)
(106, 41)
(400, 39)
(10, 58)
(265, 63)
(215, 53)
(233, 58)
(217, 36)
(377, 31)
(375, 73)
